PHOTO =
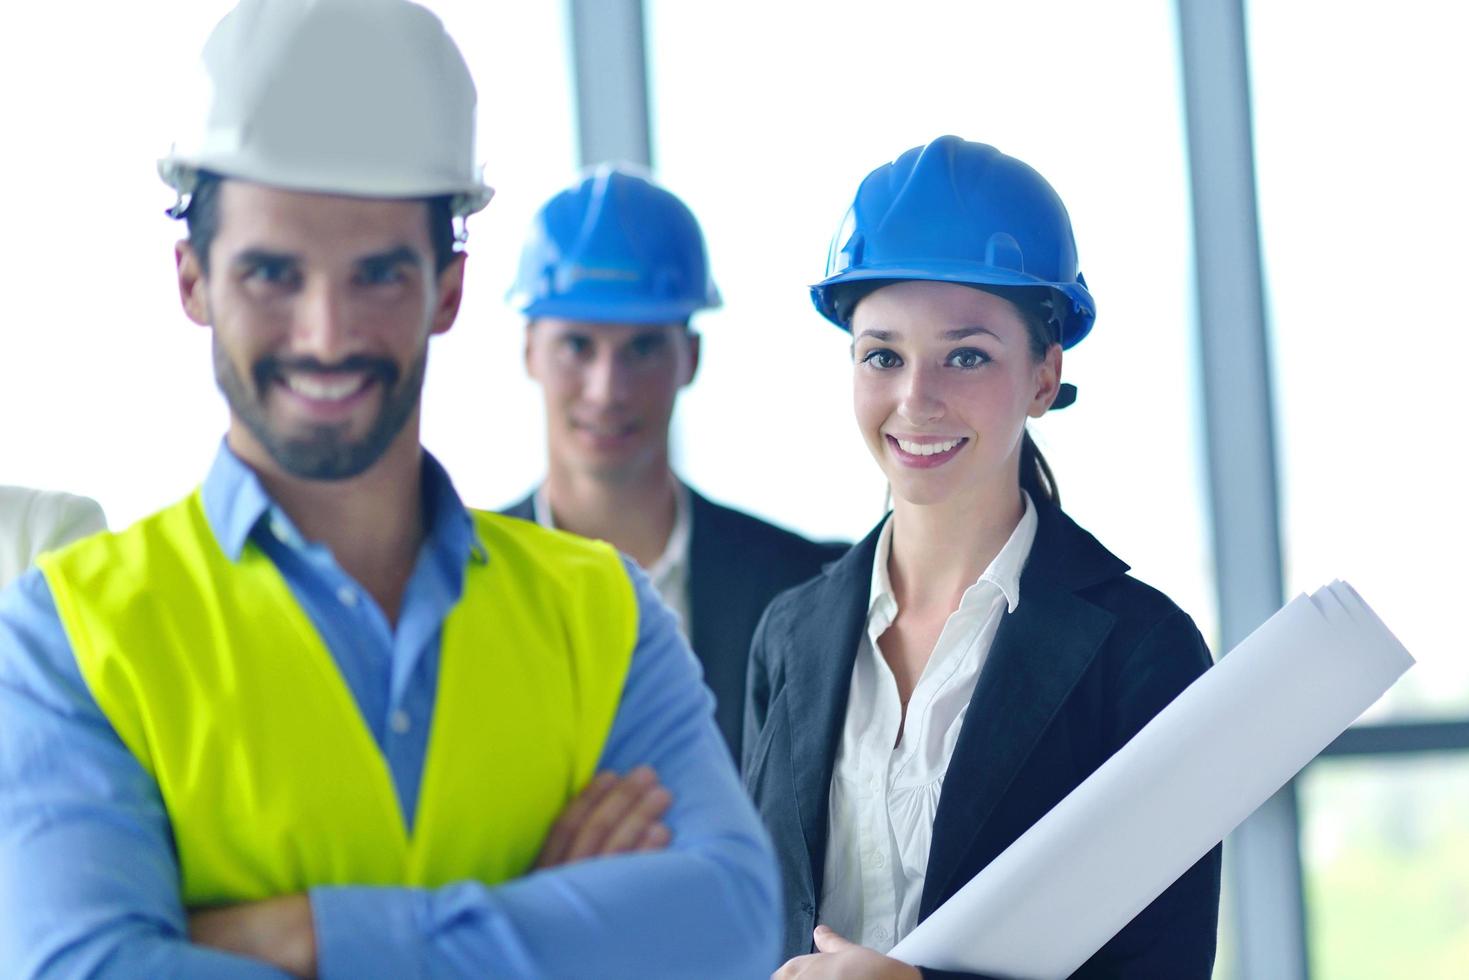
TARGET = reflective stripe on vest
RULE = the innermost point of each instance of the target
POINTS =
(214, 677)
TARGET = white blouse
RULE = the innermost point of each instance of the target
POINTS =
(885, 792)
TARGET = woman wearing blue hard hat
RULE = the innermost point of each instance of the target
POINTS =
(918, 706)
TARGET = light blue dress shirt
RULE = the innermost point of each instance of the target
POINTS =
(89, 880)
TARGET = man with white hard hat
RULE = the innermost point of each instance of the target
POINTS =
(318, 716)
(611, 275)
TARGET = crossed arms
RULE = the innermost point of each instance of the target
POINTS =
(90, 885)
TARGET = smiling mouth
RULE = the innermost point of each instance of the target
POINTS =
(606, 431)
(939, 448)
(328, 387)
(318, 386)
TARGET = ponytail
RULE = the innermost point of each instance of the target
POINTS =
(1036, 477)
(1037, 308)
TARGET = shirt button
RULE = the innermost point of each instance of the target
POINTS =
(347, 596)
(281, 532)
(878, 861)
(880, 933)
(400, 722)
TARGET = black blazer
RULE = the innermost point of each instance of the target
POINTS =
(737, 564)
(1085, 660)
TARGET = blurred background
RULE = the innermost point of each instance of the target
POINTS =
(1251, 424)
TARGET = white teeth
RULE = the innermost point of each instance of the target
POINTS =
(927, 448)
(320, 389)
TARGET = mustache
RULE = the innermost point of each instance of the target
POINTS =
(270, 368)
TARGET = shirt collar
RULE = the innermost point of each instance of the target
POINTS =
(237, 505)
(1003, 571)
(540, 505)
(882, 605)
(235, 501)
(674, 552)
(677, 547)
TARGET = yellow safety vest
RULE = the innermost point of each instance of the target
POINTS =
(215, 679)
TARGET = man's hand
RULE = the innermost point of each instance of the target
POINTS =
(613, 815)
(277, 930)
(842, 958)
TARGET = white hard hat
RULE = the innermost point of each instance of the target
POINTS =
(363, 97)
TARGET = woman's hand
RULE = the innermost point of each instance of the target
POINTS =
(838, 957)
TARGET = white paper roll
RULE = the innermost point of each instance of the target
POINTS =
(1189, 777)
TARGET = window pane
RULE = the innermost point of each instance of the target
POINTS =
(113, 385)
(1363, 208)
(1386, 853)
(766, 119)
(482, 416)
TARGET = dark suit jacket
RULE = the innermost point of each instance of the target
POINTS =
(1085, 660)
(737, 564)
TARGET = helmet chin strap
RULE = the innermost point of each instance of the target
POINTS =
(183, 180)
(1058, 306)
(179, 208)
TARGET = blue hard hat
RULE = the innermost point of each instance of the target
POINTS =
(614, 248)
(955, 211)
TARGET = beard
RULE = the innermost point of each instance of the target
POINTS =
(324, 452)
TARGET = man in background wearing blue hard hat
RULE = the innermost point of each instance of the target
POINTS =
(612, 272)
(318, 716)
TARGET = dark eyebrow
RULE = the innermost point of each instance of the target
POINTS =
(957, 334)
(384, 261)
(963, 332)
(254, 257)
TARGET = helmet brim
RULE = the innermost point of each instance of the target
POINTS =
(644, 313)
(1074, 328)
(182, 174)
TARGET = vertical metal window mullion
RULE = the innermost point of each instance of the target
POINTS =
(610, 78)
(1239, 426)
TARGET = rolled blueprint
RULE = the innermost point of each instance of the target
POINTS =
(1190, 776)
